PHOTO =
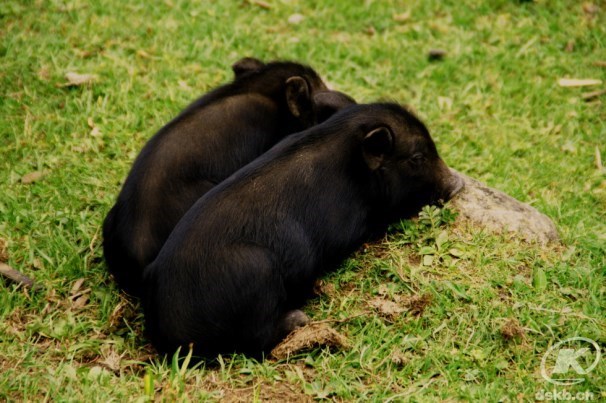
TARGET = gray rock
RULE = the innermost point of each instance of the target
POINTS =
(499, 212)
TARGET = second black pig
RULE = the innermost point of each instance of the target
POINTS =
(216, 135)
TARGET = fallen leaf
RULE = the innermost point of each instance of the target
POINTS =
(111, 360)
(96, 372)
(296, 18)
(3, 250)
(77, 285)
(37, 264)
(588, 96)
(308, 337)
(403, 17)
(578, 82)
(183, 85)
(370, 31)
(590, 9)
(143, 54)
(33, 177)
(456, 252)
(569, 147)
(261, 4)
(96, 132)
(76, 79)
(80, 302)
(598, 159)
(117, 314)
(124, 311)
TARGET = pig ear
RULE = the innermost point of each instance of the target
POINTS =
(376, 145)
(246, 65)
(298, 98)
(328, 102)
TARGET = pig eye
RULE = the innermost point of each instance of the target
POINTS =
(417, 158)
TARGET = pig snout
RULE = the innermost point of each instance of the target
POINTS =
(451, 182)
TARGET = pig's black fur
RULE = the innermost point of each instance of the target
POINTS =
(244, 258)
(211, 139)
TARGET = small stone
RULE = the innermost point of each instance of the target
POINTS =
(436, 54)
(499, 212)
(296, 18)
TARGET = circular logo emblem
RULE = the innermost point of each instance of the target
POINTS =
(567, 359)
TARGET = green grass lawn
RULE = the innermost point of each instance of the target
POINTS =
(473, 326)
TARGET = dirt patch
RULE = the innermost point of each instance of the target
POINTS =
(512, 330)
(392, 309)
(400, 359)
(308, 337)
(241, 388)
(417, 303)
(388, 309)
(264, 392)
(376, 249)
(322, 287)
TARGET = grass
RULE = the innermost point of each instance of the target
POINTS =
(486, 316)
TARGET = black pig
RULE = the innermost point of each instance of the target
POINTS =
(232, 275)
(211, 139)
